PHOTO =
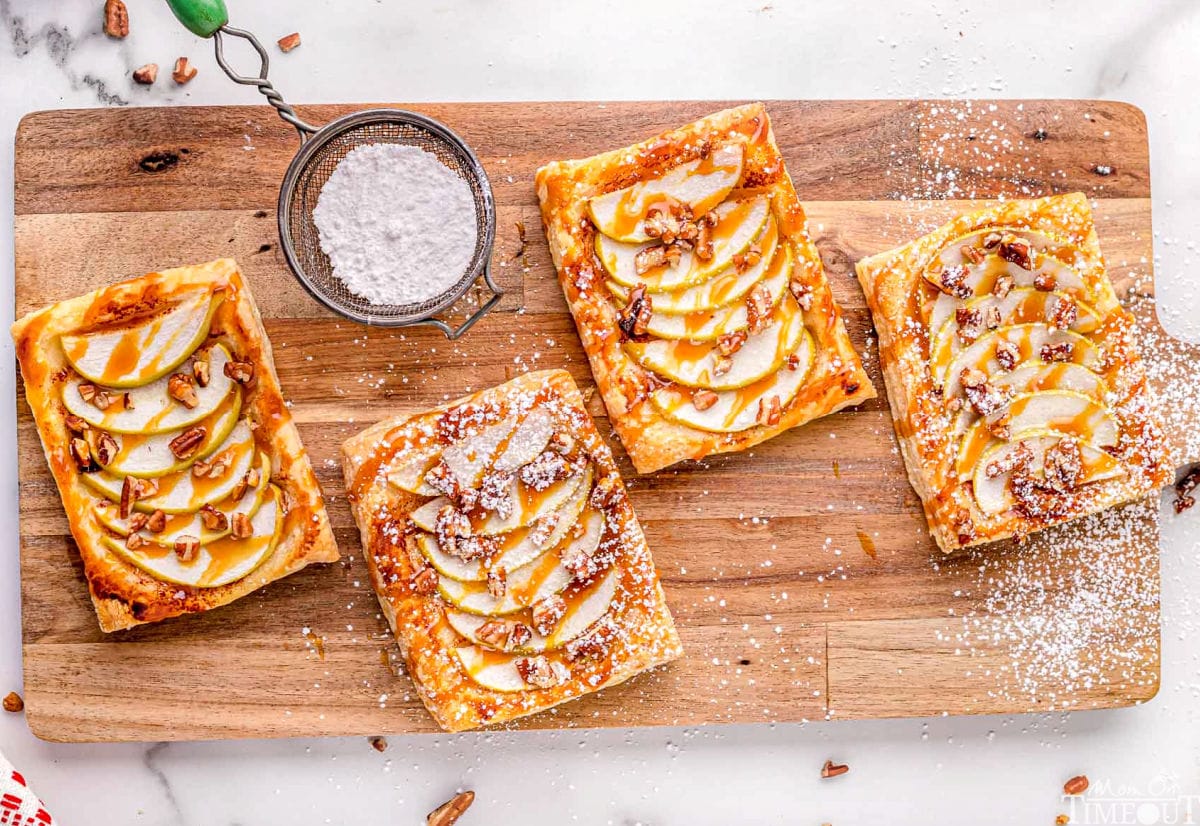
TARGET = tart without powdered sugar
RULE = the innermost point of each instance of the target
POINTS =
(181, 472)
(698, 294)
(1017, 387)
(505, 552)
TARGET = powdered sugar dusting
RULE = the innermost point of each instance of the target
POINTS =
(397, 224)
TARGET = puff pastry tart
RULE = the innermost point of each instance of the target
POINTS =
(698, 294)
(183, 477)
(505, 553)
(1016, 384)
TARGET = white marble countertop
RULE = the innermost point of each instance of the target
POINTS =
(966, 770)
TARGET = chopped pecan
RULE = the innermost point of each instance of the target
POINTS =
(449, 526)
(137, 521)
(187, 548)
(116, 19)
(831, 769)
(471, 548)
(801, 292)
(146, 75)
(412, 549)
(74, 423)
(606, 492)
(202, 370)
(793, 363)
(770, 411)
(1062, 313)
(653, 257)
(758, 308)
(730, 343)
(81, 452)
(497, 582)
(549, 467)
(1076, 785)
(1019, 458)
(449, 812)
(1017, 250)
(1045, 281)
(184, 71)
(634, 317)
(547, 612)
(106, 449)
(1003, 286)
(704, 399)
(135, 541)
(983, 396)
(494, 633)
(240, 526)
(442, 479)
(1184, 489)
(182, 388)
(704, 244)
(540, 672)
(562, 443)
(972, 254)
(188, 442)
(289, 42)
(240, 371)
(1007, 353)
(214, 467)
(992, 240)
(743, 261)
(425, 581)
(93, 395)
(953, 281)
(519, 635)
(129, 495)
(1062, 465)
(970, 323)
(156, 522)
(992, 318)
(213, 519)
(1058, 351)
(595, 644)
(495, 492)
(126, 401)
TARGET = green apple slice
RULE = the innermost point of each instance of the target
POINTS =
(153, 410)
(217, 563)
(1052, 257)
(190, 524)
(527, 441)
(183, 492)
(741, 222)
(408, 473)
(585, 607)
(493, 670)
(694, 364)
(994, 494)
(1036, 376)
(1029, 339)
(1058, 411)
(737, 410)
(468, 458)
(132, 356)
(150, 456)
(527, 506)
(1021, 306)
(701, 184)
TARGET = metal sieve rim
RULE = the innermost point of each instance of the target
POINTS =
(479, 266)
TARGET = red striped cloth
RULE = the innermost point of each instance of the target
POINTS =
(18, 805)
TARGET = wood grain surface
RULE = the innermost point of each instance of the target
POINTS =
(800, 573)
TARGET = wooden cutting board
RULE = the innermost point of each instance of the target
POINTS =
(801, 575)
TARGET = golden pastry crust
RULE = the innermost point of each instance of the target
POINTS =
(123, 594)
(637, 627)
(653, 441)
(901, 302)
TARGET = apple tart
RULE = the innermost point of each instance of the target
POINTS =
(181, 472)
(1016, 384)
(505, 553)
(698, 294)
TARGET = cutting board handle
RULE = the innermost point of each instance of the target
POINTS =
(202, 17)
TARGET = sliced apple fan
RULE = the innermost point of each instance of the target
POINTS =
(161, 427)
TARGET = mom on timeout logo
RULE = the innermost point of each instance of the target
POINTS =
(1161, 801)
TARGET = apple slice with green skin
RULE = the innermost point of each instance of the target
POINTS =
(150, 456)
(740, 224)
(182, 492)
(1036, 376)
(701, 184)
(137, 355)
(153, 410)
(1021, 306)
(1052, 256)
(1058, 411)
(585, 607)
(712, 324)
(190, 524)
(217, 563)
(491, 669)
(408, 473)
(528, 506)
(1029, 339)
(694, 364)
(469, 458)
(527, 441)
(727, 288)
(737, 410)
(994, 495)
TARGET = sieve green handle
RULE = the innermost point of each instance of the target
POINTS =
(202, 17)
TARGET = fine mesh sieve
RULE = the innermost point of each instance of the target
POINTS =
(320, 152)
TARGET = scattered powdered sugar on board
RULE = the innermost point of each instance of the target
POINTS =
(397, 224)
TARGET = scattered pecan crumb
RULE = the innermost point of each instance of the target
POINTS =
(201, 371)
(494, 633)
(1076, 785)
(972, 254)
(184, 71)
(521, 240)
(497, 583)
(1003, 286)
(547, 612)
(289, 41)
(1017, 251)
(730, 343)
(13, 703)
(94, 396)
(135, 541)
(758, 308)
(213, 519)
(106, 449)
(240, 371)
(992, 240)
(1019, 458)
(146, 75)
(1063, 465)
(450, 811)
(519, 635)
(831, 769)
(1007, 354)
(116, 19)
(240, 526)
(635, 315)
(722, 365)
(770, 411)
(1060, 351)
(970, 323)
(981, 394)
(954, 282)
(74, 423)
(1062, 313)
(378, 743)
(1045, 281)
(1062, 820)
(704, 399)
(82, 454)
(541, 672)
(1184, 488)
(156, 522)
